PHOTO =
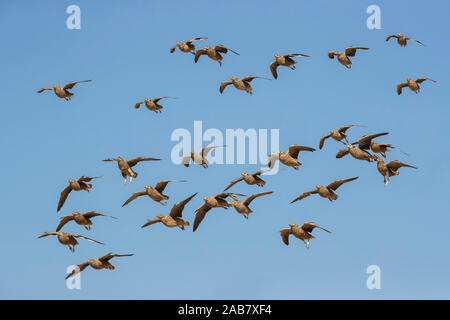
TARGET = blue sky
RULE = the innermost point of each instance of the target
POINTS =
(123, 46)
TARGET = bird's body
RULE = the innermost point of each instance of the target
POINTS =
(155, 193)
(187, 46)
(125, 166)
(390, 169)
(152, 104)
(68, 239)
(343, 58)
(402, 40)
(337, 135)
(240, 84)
(285, 61)
(97, 263)
(199, 157)
(413, 85)
(289, 158)
(302, 232)
(76, 185)
(213, 53)
(242, 207)
(250, 179)
(325, 191)
(83, 219)
(63, 92)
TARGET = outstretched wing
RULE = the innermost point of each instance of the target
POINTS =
(250, 78)
(343, 129)
(177, 210)
(391, 36)
(85, 238)
(400, 86)
(304, 195)
(232, 183)
(223, 85)
(295, 149)
(273, 69)
(342, 153)
(70, 85)
(92, 214)
(195, 39)
(63, 196)
(395, 165)
(78, 269)
(138, 104)
(46, 234)
(135, 161)
(150, 222)
(254, 196)
(322, 140)
(284, 233)
(336, 184)
(87, 179)
(161, 185)
(290, 55)
(364, 142)
(155, 100)
(110, 255)
(223, 49)
(134, 196)
(272, 160)
(198, 53)
(206, 150)
(408, 38)
(200, 214)
(309, 227)
(43, 89)
(63, 221)
(420, 80)
(351, 51)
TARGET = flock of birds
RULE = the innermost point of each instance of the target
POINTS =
(359, 150)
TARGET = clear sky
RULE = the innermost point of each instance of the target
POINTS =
(123, 46)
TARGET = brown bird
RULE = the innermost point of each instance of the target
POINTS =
(213, 53)
(343, 58)
(217, 201)
(284, 60)
(402, 40)
(390, 169)
(125, 166)
(356, 153)
(75, 185)
(68, 239)
(289, 158)
(186, 46)
(250, 179)
(412, 84)
(152, 104)
(83, 219)
(173, 219)
(97, 264)
(367, 143)
(242, 207)
(153, 192)
(199, 157)
(240, 84)
(303, 233)
(325, 191)
(337, 135)
(63, 92)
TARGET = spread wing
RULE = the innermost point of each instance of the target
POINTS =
(309, 227)
(195, 39)
(134, 196)
(420, 80)
(186, 161)
(110, 255)
(284, 233)
(342, 153)
(391, 36)
(200, 214)
(223, 85)
(295, 149)
(224, 195)
(273, 69)
(322, 140)
(85, 238)
(177, 209)
(331, 54)
(161, 185)
(87, 179)
(206, 150)
(351, 51)
(150, 222)
(43, 89)
(70, 85)
(78, 269)
(364, 142)
(272, 160)
(343, 129)
(46, 234)
(250, 78)
(138, 104)
(400, 86)
(336, 184)
(63, 221)
(395, 165)
(92, 214)
(254, 196)
(63, 196)
(135, 161)
(172, 50)
(408, 38)
(290, 55)
(232, 183)
(155, 100)
(198, 53)
(304, 195)
(223, 49)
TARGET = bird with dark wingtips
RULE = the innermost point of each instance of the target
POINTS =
(243, 207)
(367, 143)
(174, 218)
(199, 157)
(213, 53)
(325, 191)
(155, 193)
(343, 58)
(382, 148)
(125, 166)
(355, 152)
(152, 104)
(83, 219)
(240, 84)
(217, 201)
(289, 158)
(402, 40)
(390, 169)
(76, 185)
(186, 46)
(250, 179)
(300, 232)
(63, 92)
(413, 85)
(337, 135)
(97, 264)
(68, 239)
(285, 61)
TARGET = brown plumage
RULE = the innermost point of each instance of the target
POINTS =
(217, 201)
(186, 46)
(174, 218)
(337, 135)
(289, 158)
(213, 53)
(243, 207)
(390, 169)
(199, 157)
(343, 58)
(76, 185)
(152, 104)
(68, 239)
(83, 219)
(155, 193)
(250, 179)
(325, 191)
(413, 85)
(402, 40)
(125, 166)
(284, 60)
(300, 232)
(98, 263)
(63, 92)
(355, 152)
(240, 84)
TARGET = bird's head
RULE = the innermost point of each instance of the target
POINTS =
(377, 158)
(71, 181)
(244, 174)
(179, 43)
(90, 261)
(350, 146)
(292, 224)
(205, 199)
(400, 34)
(207, 47)
(119, 158)
(408, 79)
(147, 187)
(318, 186)
(276, 55)
(233, 78)
(75, 213)
(55, 86)
(160, 215)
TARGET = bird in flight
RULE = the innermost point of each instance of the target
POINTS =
(152, 104)
(199, 157)
(240, 84)
(68, 239)
(63, 92)
(155, 193)
(413, 85)
(337, 135)
(243, 207)
(186, 46)
(125, 166)
(289, 158)
(343, 58)
(325, 191)
(76, 185)
(213, 53)
(285, 61)
(97, 264)
(83, 219)
(402, 40)
(302, 232)
(389, 169)
(250, 179)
